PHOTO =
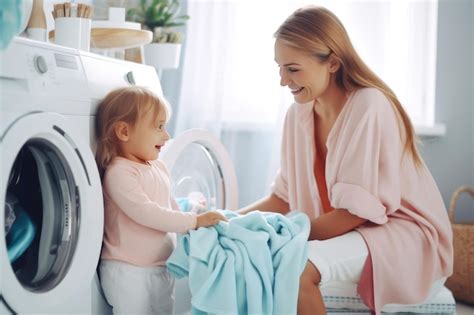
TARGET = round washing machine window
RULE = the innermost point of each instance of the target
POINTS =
(201, 168)
(53, 216)
(42, 215)
(199, 165)
(196, 171)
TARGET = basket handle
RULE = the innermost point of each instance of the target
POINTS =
(455, 197)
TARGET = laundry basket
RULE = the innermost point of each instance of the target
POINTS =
(461, 282)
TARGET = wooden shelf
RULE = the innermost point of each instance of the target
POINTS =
(116, 38)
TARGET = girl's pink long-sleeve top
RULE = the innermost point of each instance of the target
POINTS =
(408, 231)
(140, 214)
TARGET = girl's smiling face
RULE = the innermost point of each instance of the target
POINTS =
(147, 138)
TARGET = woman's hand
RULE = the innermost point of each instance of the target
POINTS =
(209, 218)
(270, 203)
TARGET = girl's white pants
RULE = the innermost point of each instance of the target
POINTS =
(131, 289)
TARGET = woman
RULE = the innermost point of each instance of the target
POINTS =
(349, 161)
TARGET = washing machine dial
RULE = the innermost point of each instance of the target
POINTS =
(40, 64)
(130, 78)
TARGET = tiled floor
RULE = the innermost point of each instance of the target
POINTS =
(463, 309)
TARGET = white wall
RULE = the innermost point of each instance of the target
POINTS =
(451, 158)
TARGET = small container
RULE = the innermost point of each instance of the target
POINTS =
(36, 28)
(73, 32)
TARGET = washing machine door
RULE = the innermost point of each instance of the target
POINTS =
(198, 162)
(52, 221)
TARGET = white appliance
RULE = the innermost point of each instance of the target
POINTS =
(48, 99)
(198, 162)
(49, 172)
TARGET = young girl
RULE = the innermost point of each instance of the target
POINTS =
(140, 214)
(349, 161)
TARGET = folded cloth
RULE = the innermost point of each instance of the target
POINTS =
(248, 265)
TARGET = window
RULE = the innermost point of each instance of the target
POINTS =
(230, 76)
(231, 83)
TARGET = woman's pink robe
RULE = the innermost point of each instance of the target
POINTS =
(408, 233)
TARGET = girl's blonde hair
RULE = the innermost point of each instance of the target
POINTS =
(129, 105)
(319, 32)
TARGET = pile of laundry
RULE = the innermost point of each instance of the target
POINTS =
(248, 265)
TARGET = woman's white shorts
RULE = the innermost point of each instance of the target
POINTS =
(341, 260)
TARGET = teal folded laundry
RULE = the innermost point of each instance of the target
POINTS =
(248, 265)
(195, 202)
(183, 204)
(10, 20)
(21, 235)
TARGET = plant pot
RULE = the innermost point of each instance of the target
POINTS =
(162, 55)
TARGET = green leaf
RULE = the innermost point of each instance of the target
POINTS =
(158, 13)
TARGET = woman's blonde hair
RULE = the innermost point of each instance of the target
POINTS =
(319, 32)
(129, 105)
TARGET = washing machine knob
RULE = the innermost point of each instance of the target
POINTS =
(40, 64)
(130, 78)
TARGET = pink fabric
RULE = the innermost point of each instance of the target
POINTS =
(365, 287)
(408, 233)
(139, 214)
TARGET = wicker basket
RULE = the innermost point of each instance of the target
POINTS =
(461, 283)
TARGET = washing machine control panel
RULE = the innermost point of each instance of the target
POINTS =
(130, 78)
(105, 74)
(47, 73)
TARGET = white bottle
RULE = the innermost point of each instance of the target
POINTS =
(36, 28)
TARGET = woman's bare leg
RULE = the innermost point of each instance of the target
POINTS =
(310, 300)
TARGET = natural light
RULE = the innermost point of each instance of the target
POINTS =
(236, 80)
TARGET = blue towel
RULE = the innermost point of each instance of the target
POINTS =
(21, 235)
(183, 204)
(11, 16)
(249, 265)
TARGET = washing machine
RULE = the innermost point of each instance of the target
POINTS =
(50, 191)
(199, 163)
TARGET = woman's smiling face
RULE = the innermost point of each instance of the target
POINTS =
(306, 76)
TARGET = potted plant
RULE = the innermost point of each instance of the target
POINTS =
(160, 17)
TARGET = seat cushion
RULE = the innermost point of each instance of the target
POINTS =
(343, 298)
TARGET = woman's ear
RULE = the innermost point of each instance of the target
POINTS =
(122, 131)
(334, 63)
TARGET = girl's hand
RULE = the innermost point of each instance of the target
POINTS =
(209, 218)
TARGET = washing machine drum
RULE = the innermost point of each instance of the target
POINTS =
(201, 170)
(53, 214)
